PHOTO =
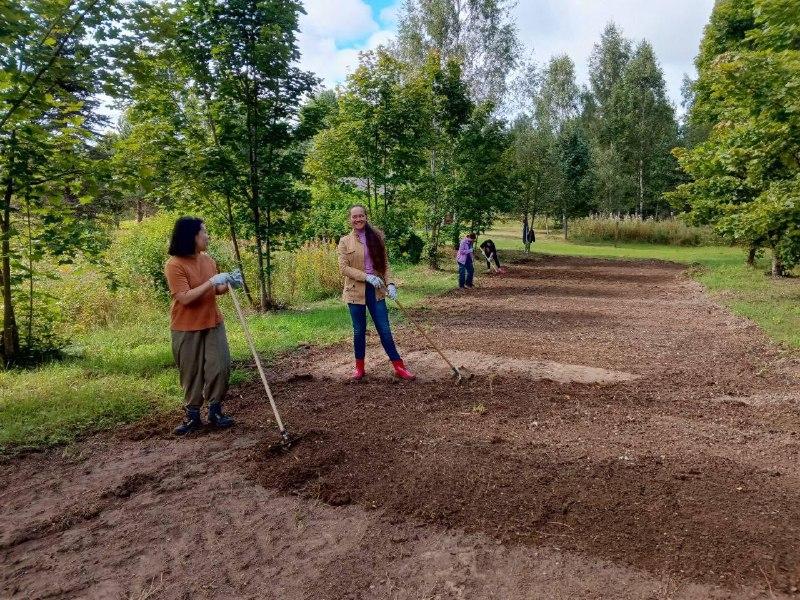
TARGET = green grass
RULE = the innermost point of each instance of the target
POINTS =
(772, 304)
(118, 374)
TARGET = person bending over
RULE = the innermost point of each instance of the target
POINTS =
(490, 254)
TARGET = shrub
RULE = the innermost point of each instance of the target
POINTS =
(402, 242)
(137, 255)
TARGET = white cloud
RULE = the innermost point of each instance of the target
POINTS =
(674, 27)
(333, 33)
(342, 20)
(320, 55)
(390, 14)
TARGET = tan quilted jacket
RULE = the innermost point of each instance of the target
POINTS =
(351, 266)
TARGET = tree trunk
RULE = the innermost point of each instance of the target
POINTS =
(564, 219)
(10, 345)
(139, 210)
(433, 247)
(237, 253)
(30, 272)
(254, 195)
(751, 256)
(262, 284)
(268, 240)
(525, 233)
(433, 244)
(777, 266)
(641, 189)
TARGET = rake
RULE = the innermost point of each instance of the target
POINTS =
(458, 375)
(287, 440)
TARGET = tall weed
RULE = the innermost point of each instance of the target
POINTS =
(309, 273)
(601, 229)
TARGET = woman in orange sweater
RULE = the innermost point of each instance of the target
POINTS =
(199, 344)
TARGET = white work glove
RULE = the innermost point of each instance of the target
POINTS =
(391, 291)
(220, 279)
(375, 281)
(235, 279)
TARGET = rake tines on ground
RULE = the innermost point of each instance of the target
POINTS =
(286, 440)
(458, 374)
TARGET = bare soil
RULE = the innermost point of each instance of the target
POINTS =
(623, 437)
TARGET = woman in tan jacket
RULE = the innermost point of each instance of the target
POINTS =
(367, 281)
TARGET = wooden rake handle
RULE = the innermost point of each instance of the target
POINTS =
(426, 336)
(250, 343)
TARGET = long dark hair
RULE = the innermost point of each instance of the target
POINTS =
(375, 245)
(183, 234)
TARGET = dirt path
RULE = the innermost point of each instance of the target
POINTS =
(624, 437)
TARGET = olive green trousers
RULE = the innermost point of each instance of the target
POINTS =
(204, 364)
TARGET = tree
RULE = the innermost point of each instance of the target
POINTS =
(745, 179)
(478, 35)
(555, 108)
(376, 132)
(481, 186)
(394, 135)
(607, 65)
(577, 181)
(54, 61)
(243, 55)
(643, 123)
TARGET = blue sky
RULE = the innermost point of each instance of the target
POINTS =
(334, 31)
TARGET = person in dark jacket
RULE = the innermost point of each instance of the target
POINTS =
(490, 254)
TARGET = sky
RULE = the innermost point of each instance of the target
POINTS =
(334, 31)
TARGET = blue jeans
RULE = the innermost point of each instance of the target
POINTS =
(380, 316)
(465, 273)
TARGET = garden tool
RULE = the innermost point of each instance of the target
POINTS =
(458, 374)
(286, 439)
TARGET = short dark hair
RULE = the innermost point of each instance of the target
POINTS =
(182, 241)
(472, 235)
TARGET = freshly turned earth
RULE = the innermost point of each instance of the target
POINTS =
(621, 436)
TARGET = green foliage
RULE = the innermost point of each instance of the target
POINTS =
(327, 217)
(137, 256)
(744, 178)
(402, 242)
